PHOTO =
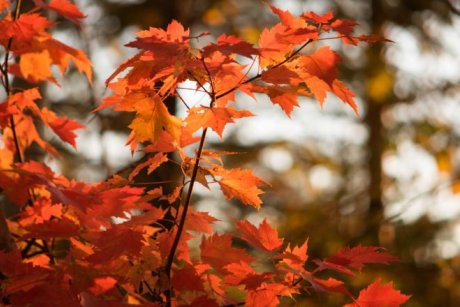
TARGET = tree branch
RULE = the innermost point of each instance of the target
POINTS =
(6, 242)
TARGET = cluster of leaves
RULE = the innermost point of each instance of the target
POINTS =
(69, 248)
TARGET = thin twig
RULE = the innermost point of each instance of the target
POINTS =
(183, 217)
(252, 79)
(190, 89)
(30, 243)
(183, 101)
(199, 83)
(184, 212)
(189, 192)
(211, 81)
(7, 84)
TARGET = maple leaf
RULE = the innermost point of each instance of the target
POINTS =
(165, 143)
(61, 53)
(214, 118)
(285, 97)
(199, 221)
(319, 72)
(64, 8)
(39, 49)
(355, 258)
(379, 295)
(62, 126)
(296, 30)
(318, 19)
(264, 237)
(165, 241)
(243, 274)
(97, 205)
(344, 27)
(322, 64)
(187, 279)
(296, 257)
(152, 117)
(281, 75)
(272, 49)
(23, 30)
(229, 45)
(175, 32)
(41, 211)
(167, 53)
(217, 251)
(241, 184)
(288, 19)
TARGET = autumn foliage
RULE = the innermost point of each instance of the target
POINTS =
(65, 247)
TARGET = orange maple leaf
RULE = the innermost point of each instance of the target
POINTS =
(355, 258)
(242, 184)
(214, 118)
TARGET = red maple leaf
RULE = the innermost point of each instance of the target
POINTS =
(241, 184)
(264, 237)
(217, 251)
(355, 258)
(62, 126)
(214, 118)
(379, 295)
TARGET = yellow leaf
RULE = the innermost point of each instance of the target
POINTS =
(152, 118)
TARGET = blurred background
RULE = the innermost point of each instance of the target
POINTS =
(390, 178)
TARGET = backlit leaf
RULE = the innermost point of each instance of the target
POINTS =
(217, 251)
(241, 184)
(264, 237)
